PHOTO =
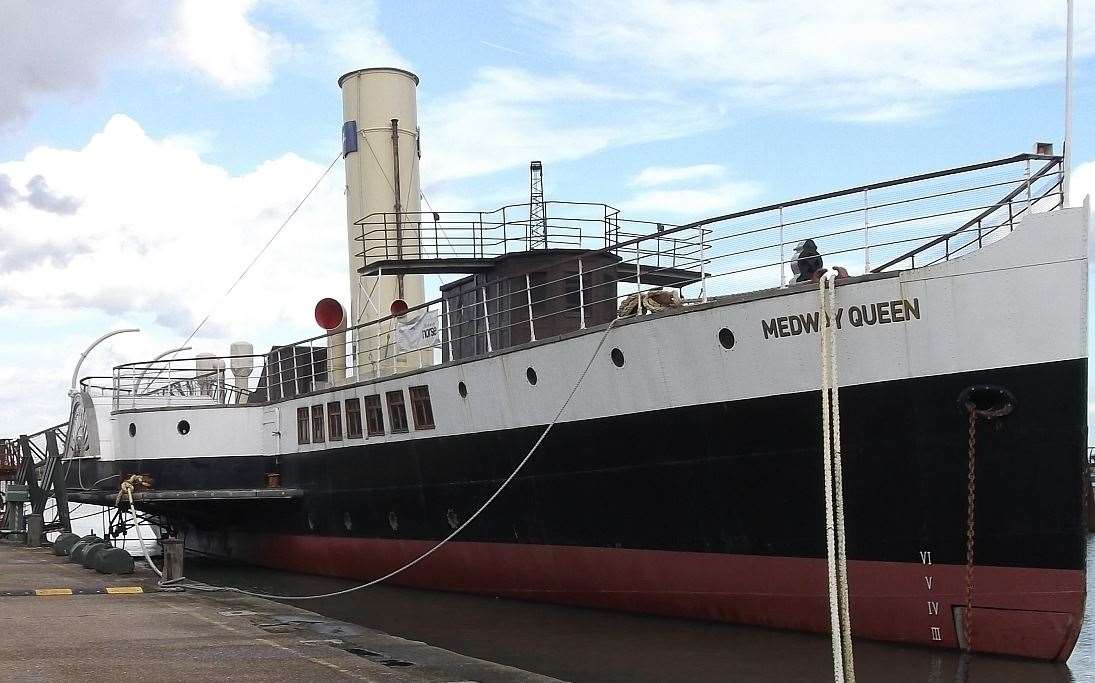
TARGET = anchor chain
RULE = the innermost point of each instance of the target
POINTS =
(971, 501)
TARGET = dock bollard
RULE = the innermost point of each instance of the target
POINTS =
(172, 559)
(34, 530)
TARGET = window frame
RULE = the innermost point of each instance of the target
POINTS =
(373, 406)
(403, 424)
(353, 418)
(422, 400)
(334, 421)
(319, 423)
(304, 419)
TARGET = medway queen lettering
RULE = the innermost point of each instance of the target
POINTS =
(862, 315)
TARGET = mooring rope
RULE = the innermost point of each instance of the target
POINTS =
(836, 550)
(176, 583)
(127, 489)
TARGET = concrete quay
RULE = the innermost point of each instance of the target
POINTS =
(61, 621)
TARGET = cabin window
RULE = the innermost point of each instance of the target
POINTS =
(317, 424)
(397, 411)
(572, 298)
(374, 415)
(334, 421)
(421, 410)
(353, 418)
(304, 429)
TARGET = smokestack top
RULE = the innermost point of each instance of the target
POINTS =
(389, 69)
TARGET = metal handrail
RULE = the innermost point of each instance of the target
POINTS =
(723, 248)
(1043, 172)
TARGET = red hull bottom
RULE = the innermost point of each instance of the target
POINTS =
(1034, 613)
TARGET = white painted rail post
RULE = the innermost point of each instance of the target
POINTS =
(581, 297)
(486, 317)
(782, 257)
(528, 292)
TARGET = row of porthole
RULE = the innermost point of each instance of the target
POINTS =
(726, 339)
(183, 427)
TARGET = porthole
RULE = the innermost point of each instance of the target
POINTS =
(531, 375)
(726, 338)
(132, 429)
(184, 427)
(463, 389)
(618, 358)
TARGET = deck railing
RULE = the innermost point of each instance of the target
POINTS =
(468, 235)
(909, 222)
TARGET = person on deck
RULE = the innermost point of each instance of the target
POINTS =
(808, 263)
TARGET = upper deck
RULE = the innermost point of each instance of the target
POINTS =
(599, 262)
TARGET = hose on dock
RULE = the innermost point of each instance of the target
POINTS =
(836, 548)
(177, 583)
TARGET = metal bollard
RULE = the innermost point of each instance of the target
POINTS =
(34, 530)
(173, 553)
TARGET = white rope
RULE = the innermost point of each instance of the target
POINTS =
(836, 549)
(127, 488)
(442, 542)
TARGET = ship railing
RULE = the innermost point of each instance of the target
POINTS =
(514, 228)
(166, 383)
(912, 222)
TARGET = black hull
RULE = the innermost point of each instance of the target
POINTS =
(740, 478)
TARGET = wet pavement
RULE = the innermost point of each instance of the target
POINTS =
(61, 621)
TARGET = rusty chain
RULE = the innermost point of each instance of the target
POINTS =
(971, 497)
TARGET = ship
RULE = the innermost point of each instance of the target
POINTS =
(609, 412)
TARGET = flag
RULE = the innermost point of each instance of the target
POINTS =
(419, 333)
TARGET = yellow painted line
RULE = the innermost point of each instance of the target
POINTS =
(53, 591)
(124, 590)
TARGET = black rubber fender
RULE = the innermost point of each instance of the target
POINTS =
(88, 560)
(113, 561)
(64, 542)
(76, 552)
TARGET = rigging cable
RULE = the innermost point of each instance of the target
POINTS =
(436, 547)
(836, 549)
(266, 246)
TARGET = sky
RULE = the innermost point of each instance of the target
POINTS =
(149, 148)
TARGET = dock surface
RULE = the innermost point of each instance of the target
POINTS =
(63, 622)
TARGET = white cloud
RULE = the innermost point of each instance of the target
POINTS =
(869, 60)
(692, 203)
(662, 175)
(344, 35)
(1082, 183)
(691, 192)
(221, 41)
(65, 48)
(55, 48)
(159, 237)
(507, 117)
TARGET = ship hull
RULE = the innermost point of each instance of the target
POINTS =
(684, 475)
(1024, 612)
(713, 511)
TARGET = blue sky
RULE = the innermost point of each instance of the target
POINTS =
(171, 137)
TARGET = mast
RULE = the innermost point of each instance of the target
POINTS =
(1066, 162)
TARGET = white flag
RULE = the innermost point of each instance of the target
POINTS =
(420, 333)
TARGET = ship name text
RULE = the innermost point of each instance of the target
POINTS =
(861, 315)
